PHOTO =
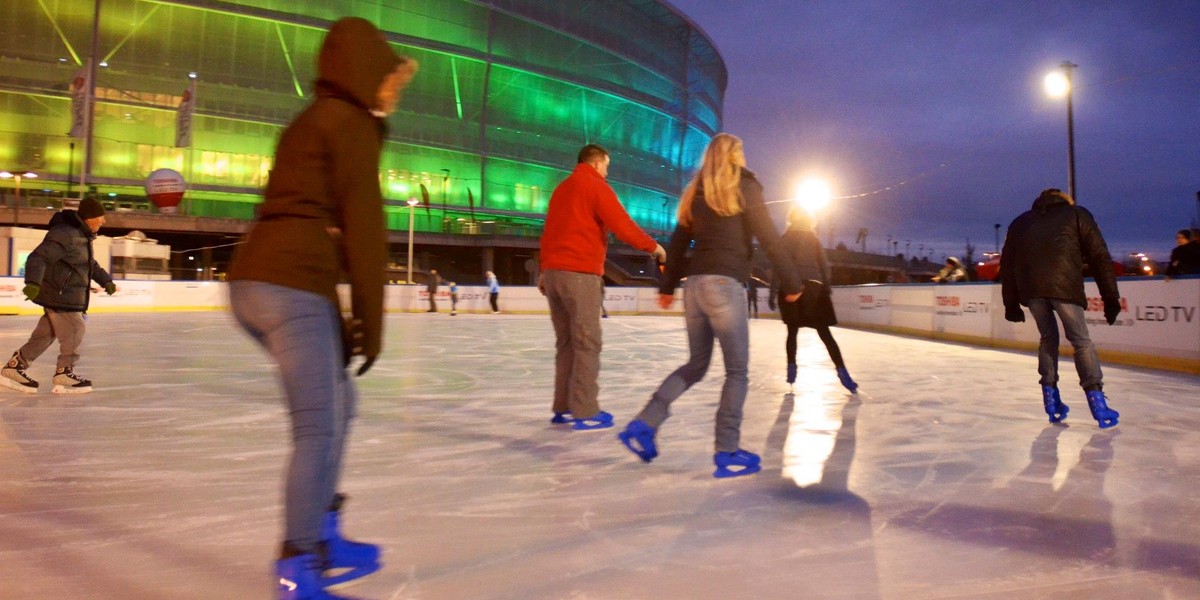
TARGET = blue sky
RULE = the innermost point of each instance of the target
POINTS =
(930, 117)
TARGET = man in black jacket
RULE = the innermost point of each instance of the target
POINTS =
(58, 276)
(1041, 267)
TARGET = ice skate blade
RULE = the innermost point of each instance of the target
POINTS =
(64, 389)
(639, 439)
(601, 420)
(348, 577)
(8, 383)
(726, 472)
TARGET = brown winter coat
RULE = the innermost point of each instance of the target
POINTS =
(322, 212)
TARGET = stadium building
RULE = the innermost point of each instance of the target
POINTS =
(508, 92)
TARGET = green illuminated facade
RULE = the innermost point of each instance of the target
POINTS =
(508, 92)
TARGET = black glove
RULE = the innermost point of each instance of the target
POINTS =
(352, 344)
(31, 290)
(110, 288)
(1014, 314)
(363, 368)
(1112, 308)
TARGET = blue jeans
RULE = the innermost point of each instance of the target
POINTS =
(574, 300)
(1087, 363)
(302, 332)
(714, 308)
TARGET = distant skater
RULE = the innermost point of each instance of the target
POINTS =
(815, 306)
(721, 212)
(432, 281)
(1041, 266)
(453, 298)
(493, 292)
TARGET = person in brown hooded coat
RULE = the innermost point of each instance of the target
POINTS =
(322, 216)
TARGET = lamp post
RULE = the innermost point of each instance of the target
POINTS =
(412, 205)
(17, 177)
(1058, 84)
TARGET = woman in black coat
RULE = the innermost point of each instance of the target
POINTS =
(815, 307)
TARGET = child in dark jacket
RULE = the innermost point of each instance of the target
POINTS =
(58, 277)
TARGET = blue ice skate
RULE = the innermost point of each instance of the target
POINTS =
(561, 417)
(844, 377)
(639, 438)
(299, 578)
(1054, 404)
(791, 373)
(746, 463)
(1104, 415)
(601, 420)
(344, 560)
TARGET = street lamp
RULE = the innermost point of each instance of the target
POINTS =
(412, 205)
(17, 177)
(1058, 84)
(814, 195)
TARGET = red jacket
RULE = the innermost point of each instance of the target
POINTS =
(583, 209)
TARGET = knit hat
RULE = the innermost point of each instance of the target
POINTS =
(90, 208)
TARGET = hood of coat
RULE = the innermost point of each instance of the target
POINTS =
(1048, 199)
(70, 218)
(353, 61)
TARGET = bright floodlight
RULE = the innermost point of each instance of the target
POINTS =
(1057, 84)
(412, 201)
(813, 195)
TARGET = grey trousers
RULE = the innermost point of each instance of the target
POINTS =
(67, 327)
(574, 300)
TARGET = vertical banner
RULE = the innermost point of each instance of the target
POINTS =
(183, 117)
(79, 102)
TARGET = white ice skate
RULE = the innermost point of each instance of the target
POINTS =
(67, 382)
(13, 375)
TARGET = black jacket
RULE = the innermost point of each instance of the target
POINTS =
(1185, 260)
(1044, 253)
(723, 244)
(63, 265)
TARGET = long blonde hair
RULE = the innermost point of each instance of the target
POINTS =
(720, 175)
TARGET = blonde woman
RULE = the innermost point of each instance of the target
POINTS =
(815, 308)
(721, 212)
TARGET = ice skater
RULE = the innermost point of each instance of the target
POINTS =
(583, 210)
(1041, 266)
(493, 292)
(58, 277)
(322, 215)
(453, 298)
(721, 212)
(432, 281)
(815, 307)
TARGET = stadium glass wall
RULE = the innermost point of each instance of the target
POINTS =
(509, 90)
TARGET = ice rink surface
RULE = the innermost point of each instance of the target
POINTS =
(940, 479)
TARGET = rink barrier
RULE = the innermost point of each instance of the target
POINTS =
(1159, 325)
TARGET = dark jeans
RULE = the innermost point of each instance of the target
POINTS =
(1087, 363)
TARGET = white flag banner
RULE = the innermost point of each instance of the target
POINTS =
(79, 102)
(183, 118)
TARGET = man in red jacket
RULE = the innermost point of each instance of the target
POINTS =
(583, 210)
